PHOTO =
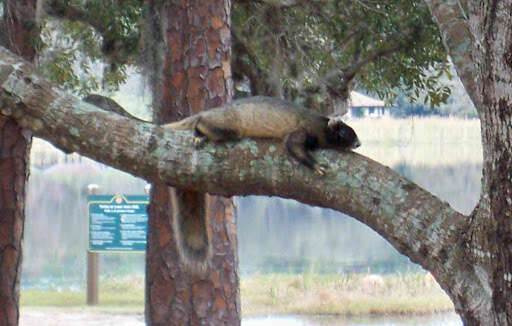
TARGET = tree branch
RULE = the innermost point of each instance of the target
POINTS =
(417, 223)
(460, 42)
(375, 55)
(275, 3)
(338, 81)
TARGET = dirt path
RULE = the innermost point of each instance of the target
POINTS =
(77, 317)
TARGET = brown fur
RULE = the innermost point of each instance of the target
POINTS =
(190, 226)
(302, 130)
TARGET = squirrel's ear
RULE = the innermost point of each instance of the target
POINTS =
(335, 121)
(334, 124)
(337, 127)
(331, 124)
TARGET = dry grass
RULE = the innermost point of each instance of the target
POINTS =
(346, 295)
(308, 294)
(418, 130)
(420, 141)
(126, 294)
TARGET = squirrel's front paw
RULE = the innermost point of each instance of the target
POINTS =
(320, 169)
(199, 142)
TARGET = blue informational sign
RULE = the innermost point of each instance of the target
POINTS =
(117, 222)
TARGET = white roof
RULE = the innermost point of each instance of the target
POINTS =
(360, 100)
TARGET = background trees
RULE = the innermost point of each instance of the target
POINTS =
(316, 52)
(309, 52)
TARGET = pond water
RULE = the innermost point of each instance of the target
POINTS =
(450, 319)
(60, 317)
(275, 235)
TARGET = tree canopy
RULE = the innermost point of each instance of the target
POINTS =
(310, 52)
(314, 51)
(88, 45)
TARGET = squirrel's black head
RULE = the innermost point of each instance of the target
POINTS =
(341, 135)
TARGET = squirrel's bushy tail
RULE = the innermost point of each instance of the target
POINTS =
(185, 124)
(190, 219)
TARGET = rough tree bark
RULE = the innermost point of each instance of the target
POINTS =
(190, 71)
(18, 31)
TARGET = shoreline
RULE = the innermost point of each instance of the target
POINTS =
(337, 295)
(37, 316)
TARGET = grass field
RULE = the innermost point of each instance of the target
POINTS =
(429, 141)
(308, 294)
(348, 295)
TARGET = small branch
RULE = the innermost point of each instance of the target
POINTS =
(108, 104)
(354, 69)
(343, 44)
(275, 3)
(283, 3)
(338, 81)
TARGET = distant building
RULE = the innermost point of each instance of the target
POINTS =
(362, 106)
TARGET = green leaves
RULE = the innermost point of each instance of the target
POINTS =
(90, 43)
(385, 47)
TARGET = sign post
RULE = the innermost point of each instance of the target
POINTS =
(92, 278)
(117, 223)
(92, 264)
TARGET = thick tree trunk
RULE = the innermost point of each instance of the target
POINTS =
(487, 299)
(492, 223)
(14, 167)
(174, 295)
(191, 72)
(479, 41)
(18, 30)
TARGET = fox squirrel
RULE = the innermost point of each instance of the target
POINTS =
(302, 130)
